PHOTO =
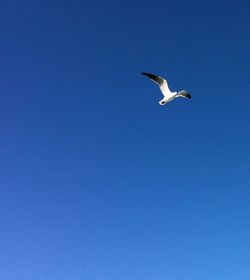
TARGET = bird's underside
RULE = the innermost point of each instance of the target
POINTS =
(167, 93)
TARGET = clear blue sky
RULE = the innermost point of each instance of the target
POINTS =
(100, 182)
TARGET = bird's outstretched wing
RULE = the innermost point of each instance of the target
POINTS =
(157, 79)
(161, 82)
(185, 94)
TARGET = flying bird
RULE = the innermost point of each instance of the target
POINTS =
(163, 84)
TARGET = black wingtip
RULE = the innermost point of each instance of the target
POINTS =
(151, 76)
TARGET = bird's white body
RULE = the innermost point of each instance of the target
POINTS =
(167, 99)
(167, 93)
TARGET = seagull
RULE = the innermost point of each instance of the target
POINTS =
(163, 84)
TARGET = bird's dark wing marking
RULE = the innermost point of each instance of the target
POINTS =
(157, 79)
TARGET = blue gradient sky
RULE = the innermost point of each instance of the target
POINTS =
(98, 181)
